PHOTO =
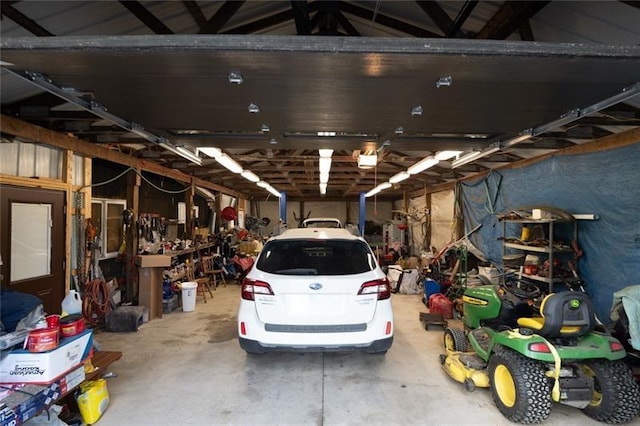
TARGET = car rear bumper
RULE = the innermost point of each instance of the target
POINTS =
(377, 346)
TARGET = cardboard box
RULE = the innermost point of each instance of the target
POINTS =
(42, 397)
(21, 366)
(153, 261)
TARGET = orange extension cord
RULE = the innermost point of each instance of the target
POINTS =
(95, 302)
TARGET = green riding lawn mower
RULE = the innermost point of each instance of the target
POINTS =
(533, 351)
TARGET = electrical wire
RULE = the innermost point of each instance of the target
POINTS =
(93, 185)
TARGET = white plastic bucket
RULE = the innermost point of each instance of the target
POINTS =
(189, 290)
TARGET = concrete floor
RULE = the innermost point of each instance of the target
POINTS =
(187, 368)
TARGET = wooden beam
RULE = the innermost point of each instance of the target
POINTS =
(301, 17)
(23, 20)
(464, 13)
(346, 24)
(146, 17)
(386, 21)
(526, 33)
(437, 15)
(15, 127)
(221, 17)
(262, 24)
(614, 141)
(196, 12)
(510, 16)
(632, 3)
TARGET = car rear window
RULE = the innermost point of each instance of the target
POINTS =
(315, 257)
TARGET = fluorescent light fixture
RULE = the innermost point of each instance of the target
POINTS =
(323, 188)
(367, 161)
(327, 134)
(381, 187)
(371, 193)
(325, 164)
(399, 177)
(229, 163)
(273, 141)
(325, 153)
(262, 184)
(249, 175)
(423, 165)
(416, 110)
(235, 78)
(523, 136)
(189, 155)
(445, 155)
(474, 155)
(253, 108)
(265, 128)
(399, 130)
(272, 190)
(186, 154)
(324, 177)
(211, 151)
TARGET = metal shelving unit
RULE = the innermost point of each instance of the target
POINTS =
(550, 250)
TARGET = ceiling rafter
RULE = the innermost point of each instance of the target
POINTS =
(510, 16)
(262, 24)
(346, 24)
(146, 17)
(196, 12)
(301, 17)
(221, 17)
(463, 14)
(386, 21)
(23, 20)
(437, 15)
(526, 33)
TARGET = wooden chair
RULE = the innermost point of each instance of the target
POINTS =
(209, 269)
(203, 282)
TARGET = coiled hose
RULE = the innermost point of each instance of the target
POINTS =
(95, 302)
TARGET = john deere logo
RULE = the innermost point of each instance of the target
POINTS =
(575, 303)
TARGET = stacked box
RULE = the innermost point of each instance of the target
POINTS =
(170, 305)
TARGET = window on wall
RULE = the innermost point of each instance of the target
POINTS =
(107, 218)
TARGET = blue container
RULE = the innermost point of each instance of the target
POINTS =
(430, 287)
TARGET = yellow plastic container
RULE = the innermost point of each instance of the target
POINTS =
(93, 400)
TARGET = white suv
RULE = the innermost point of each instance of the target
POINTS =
(315, 289)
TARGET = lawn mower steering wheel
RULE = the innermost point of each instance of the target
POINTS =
(521, 289)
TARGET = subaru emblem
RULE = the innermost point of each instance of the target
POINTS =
(315, 286)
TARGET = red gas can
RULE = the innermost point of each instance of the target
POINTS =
(439, 304)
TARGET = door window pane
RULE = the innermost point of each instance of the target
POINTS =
(30, 240)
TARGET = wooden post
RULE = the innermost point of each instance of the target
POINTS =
(131, 237)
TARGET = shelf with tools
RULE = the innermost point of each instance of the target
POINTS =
(537, 252)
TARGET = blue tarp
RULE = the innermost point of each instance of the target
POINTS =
(605, 183)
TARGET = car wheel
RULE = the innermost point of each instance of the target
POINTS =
(616, 397)
(519, 387)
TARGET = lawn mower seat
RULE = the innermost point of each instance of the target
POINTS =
(565, 314)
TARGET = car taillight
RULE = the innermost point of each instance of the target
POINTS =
(379, 287)
(616, 346)
(252, 287)
(539, 347)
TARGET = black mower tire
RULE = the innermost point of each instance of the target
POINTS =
(616, 397)
(519, 387)
(455, 339)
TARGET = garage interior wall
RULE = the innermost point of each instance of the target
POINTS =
(605, 183)
(442, 232)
